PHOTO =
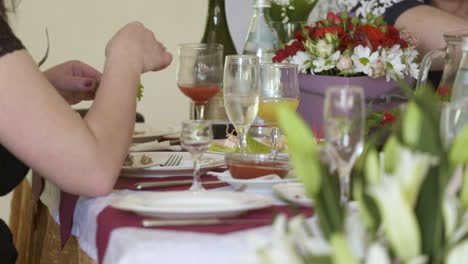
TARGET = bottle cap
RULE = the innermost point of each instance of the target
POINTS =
(262, 3)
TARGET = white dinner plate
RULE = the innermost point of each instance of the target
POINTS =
(209, 161)
(186, 204)
(293, 192)
(144, 132)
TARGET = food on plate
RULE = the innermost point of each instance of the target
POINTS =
(128, 160)
(145, 160)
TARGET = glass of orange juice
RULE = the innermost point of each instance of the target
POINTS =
(279, 87)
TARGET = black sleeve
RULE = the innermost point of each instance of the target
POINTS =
(8, 41)
(12, 171)
(389, 9)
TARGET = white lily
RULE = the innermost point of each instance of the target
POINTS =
(411, 171)
(458, 254)
(398, 218)
(377, 253)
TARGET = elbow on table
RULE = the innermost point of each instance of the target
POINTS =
(101, 181)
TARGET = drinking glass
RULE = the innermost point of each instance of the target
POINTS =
(279, 87)
(344, 119)
(241, 93)
(453, 118)
(196, 138)
(199, 72)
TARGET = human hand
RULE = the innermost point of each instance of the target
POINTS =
(74, 80)
(137, 46)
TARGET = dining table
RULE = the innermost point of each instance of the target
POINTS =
(65, 228)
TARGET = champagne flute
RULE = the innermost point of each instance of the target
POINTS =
(199, 73)
(279, 87)
(241, 93)
(196, 138)
(344, 117)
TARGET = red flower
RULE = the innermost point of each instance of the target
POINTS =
(299, 36)
(321, 32)
(294, 47)
(393, 33)
(280, 55)
(334, 18)
(370, 34)
(388, 118)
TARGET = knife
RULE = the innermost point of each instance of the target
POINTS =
(208, 221)
(144, 185)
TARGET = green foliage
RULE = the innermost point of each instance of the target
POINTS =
(140, 91)
(300, 11)
(323, 188)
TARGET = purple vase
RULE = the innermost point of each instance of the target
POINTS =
(380, 95)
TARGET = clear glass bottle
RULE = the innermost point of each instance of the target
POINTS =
(262, 39)
(460, 85)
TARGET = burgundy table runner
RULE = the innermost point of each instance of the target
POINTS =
(68, 201)
(110, 219)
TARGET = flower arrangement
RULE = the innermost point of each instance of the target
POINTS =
(343, 45)
(411, 206)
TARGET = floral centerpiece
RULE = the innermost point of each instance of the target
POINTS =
(345, 50)
(411, 202)
(341, 45)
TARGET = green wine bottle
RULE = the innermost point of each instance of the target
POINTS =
(217, 31)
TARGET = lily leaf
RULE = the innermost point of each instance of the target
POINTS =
(302, 150)
(341, 252)
(458, 153)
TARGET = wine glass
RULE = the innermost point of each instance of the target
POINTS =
(241, 93)
(344, 119)
(279, 87)
(199, 72)
(196, 138)
(453, 118)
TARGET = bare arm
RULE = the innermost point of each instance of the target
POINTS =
(38, 126)
(428, 24)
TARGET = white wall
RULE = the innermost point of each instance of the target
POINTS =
(80, 29)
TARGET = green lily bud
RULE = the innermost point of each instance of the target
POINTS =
(412, 122)
(370, 17)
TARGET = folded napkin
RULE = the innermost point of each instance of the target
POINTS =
(154, 146)
(226, 176)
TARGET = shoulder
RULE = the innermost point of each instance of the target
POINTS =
(390, 9)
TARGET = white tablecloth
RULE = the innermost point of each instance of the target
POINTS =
(139, 245)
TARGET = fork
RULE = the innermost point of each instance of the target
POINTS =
(173, 160)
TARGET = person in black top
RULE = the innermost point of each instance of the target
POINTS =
(38, 128)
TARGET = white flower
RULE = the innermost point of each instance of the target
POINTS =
(301, 59)
(411, 171)
(344, 63)
(395, 65)
(363, 59)
(458, 254)
(324, 49)
(377, 253)
(398, 218)
(324, 64)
